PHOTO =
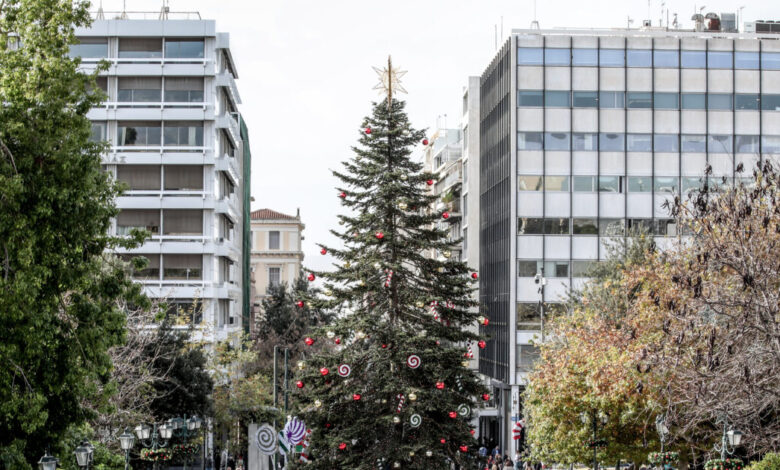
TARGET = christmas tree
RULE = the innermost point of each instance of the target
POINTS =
(393, 388)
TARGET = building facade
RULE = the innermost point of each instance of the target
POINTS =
(585, 134)
(175, 140)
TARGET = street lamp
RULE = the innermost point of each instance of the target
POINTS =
(143, 431)
(84, 454)
(662, 429)
(595, 418)
(730, 437)
(126, 442)
(47, 462)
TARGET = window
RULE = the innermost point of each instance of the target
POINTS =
(184, 48)
(181, 267)
(666, 143)
(183, 178)
(584, 184)
(611, 227)
(770, 143)
(183, 133)
(274, 276)
(273, 240)
(667, 101)
(139, 90)
(557, 56)
(556, 141)
(183, 89)
(556, 226)
(746, 101)
(585, 141)
(638, 226)
(639, 58)
(585, 226)
(223, 312)
(639, 142)
(612, 57)
(583, 268)
(770, 60)
(529, 183)
(611, 184)
(612, 99)
(694, 143)
(191, 309)
(526, 268)
(152, 269)
(557, 99)
(691, 184)
(528, 315)
(556, 183)
(226, 187)
(182, 222)
(664, 227)
(530, 98)
(693, 100)
(139, 177)
(90, 48)
(746, 60)
(527, 355)
(98, 134)
(611, 142)
(529, 140)
(585, 57)
(719, 59)
(640, 99)
(224, 227)
(556, 269)
(139, 133)
(585, 99)
(719, 144)
(665, 184)
(666, 58)
(140, 48)
(141, 219)
(719, 101)
(746, 143)
(529, 56)
(639, 184)
(530, 226)
(693, 59)
(770, 102)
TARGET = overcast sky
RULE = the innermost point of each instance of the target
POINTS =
(305, 75)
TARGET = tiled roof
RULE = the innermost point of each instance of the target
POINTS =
(268, 214)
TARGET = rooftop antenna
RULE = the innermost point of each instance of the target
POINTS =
(675, 23)
(534, 23)
(164, 10)
(661, 20)
(100, 15)
(739, 17)
(123, 15)
(629, 22)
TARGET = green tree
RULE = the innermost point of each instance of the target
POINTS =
(58, 291)
(385, 286)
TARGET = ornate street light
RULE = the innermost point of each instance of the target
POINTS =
(662, 429)
(143, 431)
(84, 454)
(126, 442)
(194, 423)
(47, 462)
(594, 418)
(730, 437)
(734, 437)
(166, 431)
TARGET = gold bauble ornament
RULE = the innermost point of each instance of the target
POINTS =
(330, 334)
(412, 396)
(465, 363)
(428, 453)
(396, 419)
(440, 269)
(446, 253)
(317, 403)
(328, 292)
(481, 320)
(402, 205)
(347, 264)
(403, 177)
(377, 265)
(362, 282)
(360, 335)
(411, 453)
(301, 365)
(397, 465)
(419, 304)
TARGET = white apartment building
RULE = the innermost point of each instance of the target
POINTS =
(178, 142)
(585, 133)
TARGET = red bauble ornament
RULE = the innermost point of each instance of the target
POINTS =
(324, 371)
(384, 346)
(337, 340)
(445, 215)
(309, 341)
(356, 396)
(443, 441)
(327, 425)
(343, 195)
(486, 396)
(299, 304)
(486, 321)
(368, 130)
(429, 182)
(323, 251)
(425, 141)
(311, 277)
(342, 446)
(482, 344)
(299, 384)
(453, 414)
(437, 342)
(464, 448)
(379, 235)
(440, 385)
(472, 432)
(474, 275)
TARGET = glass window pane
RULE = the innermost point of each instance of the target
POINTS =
(529, 140)
(693, 100)
(639, 142)
(666, 143)
(184, 49)
(582, 268)
(695, 143)
(746, 60)
(746, 101)
(90, 48)
(556, 226)
(639, 58)
(770, 60)
(556, 183)
(719, 144)
(182, 266)
(556, 141)
(585, 184)
(719, 59)
(610, 142)
(98, 131)
(557, 56)
(530, 98)
(770, 144)
(585, 99)
(139, 177)
(585, 226)
(720, 101)
(557, 98)
(693, 59)
(584, 57)
(747, 144)
(585, 141)
(666, 58)
(612, 57)
(639, 184)
(556, 269)
(664, 227)
(640, 99)
(528, 313)
(610, 184)
(183, 133)
(611, 227)
(691, 184)
(141, 219)
(140, 48)
(273, 240)
(665, 184)
(529, 183)
(770, 102)
(140, 133)
(526, 268)
(612, 99)
(667, 101)
(529, 56)
(183, 177)
(530, 226)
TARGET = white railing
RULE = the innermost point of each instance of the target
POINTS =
(145, 15)
(159, 148)
(145, 60)
(154, 104)
(163, 193)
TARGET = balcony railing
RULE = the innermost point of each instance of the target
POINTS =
(154, 104)
(159, 148)
(146, 60)
(144, 15)
(164, 193)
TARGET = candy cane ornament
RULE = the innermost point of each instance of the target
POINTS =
(401, 400)
(389, 277)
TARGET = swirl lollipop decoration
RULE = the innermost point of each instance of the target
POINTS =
(413, 361)
(294, 431)
(266, 439)
(415, 420)
(464, 410)
(344, 370)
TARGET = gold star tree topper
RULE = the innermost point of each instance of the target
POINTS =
(389, 80)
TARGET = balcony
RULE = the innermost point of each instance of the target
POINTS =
(229, 122)
(226, 80)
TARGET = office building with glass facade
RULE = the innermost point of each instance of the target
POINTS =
(587, 133)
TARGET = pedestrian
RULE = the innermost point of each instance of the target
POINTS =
(518, 462)
(496, 464)
(508, 462)
(496, 452)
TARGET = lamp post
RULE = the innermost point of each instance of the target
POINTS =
(730, 437)
(47, 462)
(662, 429)
(84, 453)
(594, 417)
(126, 442)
